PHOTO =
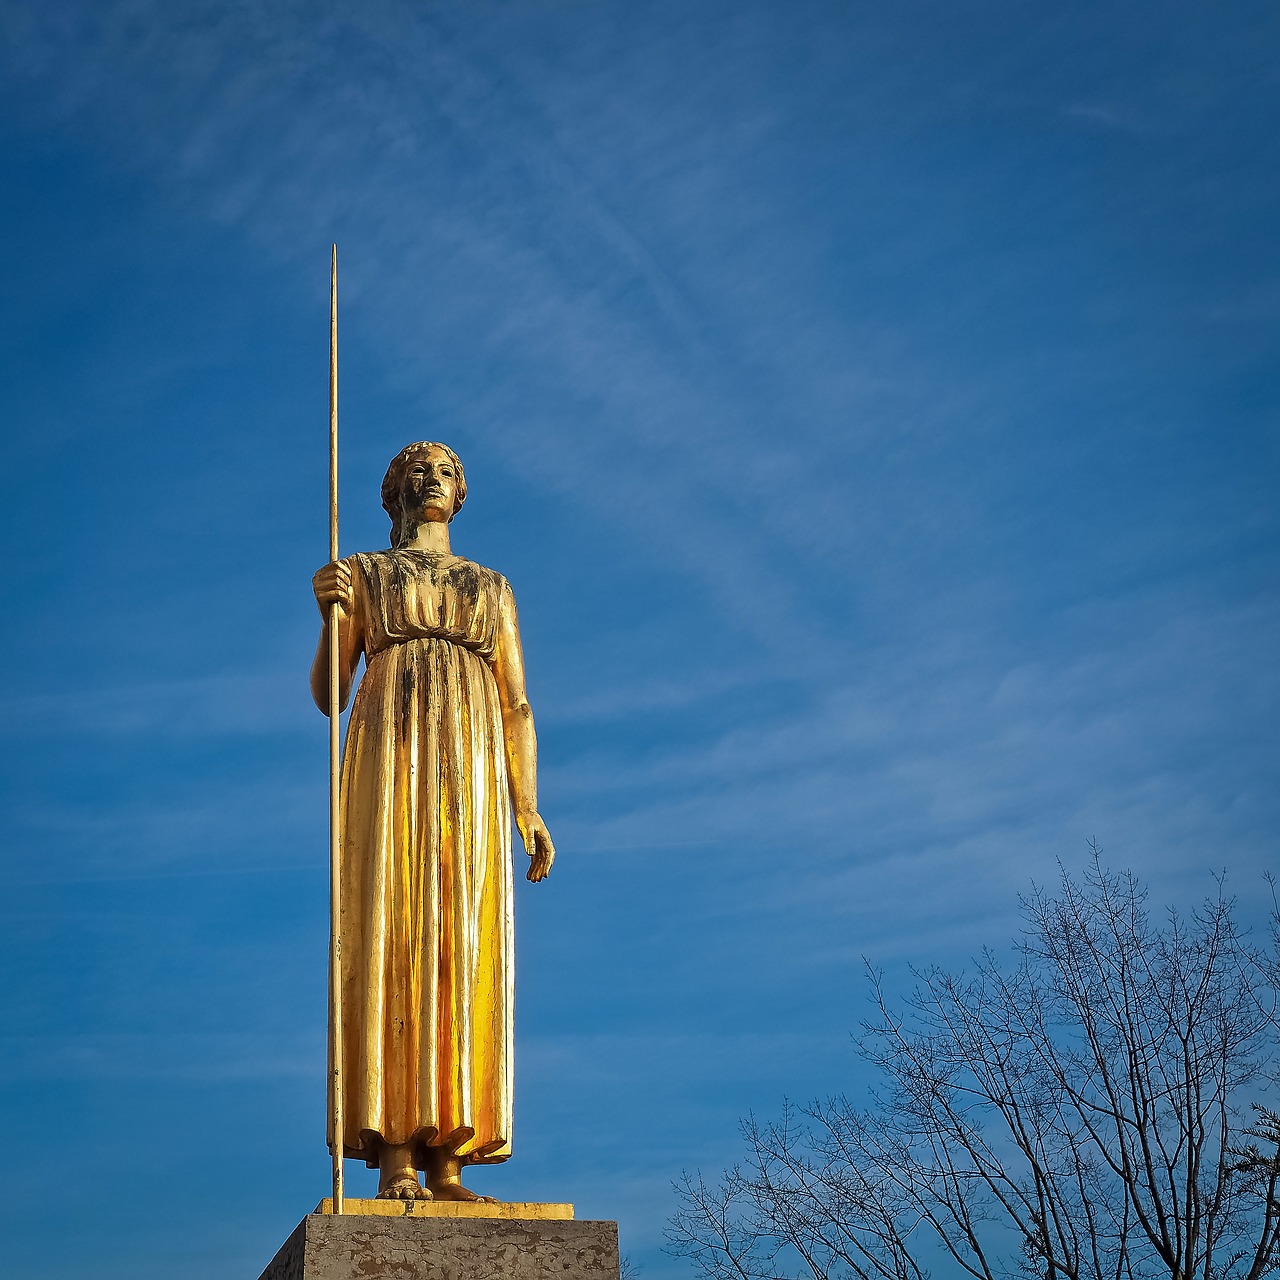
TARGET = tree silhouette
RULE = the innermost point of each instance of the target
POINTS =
(1092, 1112)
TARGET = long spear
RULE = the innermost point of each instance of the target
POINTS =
(335, 781)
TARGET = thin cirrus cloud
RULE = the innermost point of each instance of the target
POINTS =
(871, 406)
(396, 125)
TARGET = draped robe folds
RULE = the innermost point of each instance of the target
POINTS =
(426, 911)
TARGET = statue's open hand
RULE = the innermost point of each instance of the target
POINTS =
(537, 844)
(332, 585)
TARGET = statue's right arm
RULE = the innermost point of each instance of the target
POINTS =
(332, 585)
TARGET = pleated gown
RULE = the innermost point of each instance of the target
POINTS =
(426, 913)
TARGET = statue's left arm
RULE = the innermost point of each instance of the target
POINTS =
(521, 742)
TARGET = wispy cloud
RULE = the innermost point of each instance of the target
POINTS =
(170, 1056)
(876, 408)
(240, 703)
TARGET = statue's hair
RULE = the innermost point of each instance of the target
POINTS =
(393, 487)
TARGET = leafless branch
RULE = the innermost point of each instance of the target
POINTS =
(1084, 1114)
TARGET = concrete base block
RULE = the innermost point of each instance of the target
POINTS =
(412, 1247)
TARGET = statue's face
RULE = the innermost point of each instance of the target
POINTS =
(430, 489)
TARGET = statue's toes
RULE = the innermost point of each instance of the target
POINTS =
(405, 1189)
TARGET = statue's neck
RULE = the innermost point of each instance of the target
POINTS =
(432, 535)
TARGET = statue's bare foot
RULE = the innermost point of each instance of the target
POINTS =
(405, 1187)
(457, 1192)
(444, 1177)
(397, 1177)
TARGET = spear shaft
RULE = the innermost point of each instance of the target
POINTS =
(335, 765)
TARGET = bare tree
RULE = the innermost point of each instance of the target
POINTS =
(1092, 1111)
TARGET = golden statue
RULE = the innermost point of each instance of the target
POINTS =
(440, 747)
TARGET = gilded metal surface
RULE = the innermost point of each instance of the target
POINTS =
(511, 1211)
(439, 748)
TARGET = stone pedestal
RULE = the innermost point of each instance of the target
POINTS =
(385, 1240)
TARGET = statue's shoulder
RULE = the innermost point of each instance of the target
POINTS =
(491, 578)
(368, 559)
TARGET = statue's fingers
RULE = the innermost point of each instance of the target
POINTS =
(546, 850)
(546, 855)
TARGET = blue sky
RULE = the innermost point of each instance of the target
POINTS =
(874, 408)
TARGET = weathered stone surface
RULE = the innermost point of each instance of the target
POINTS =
(358, 1247)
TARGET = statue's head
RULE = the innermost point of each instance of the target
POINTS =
(425, 481)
